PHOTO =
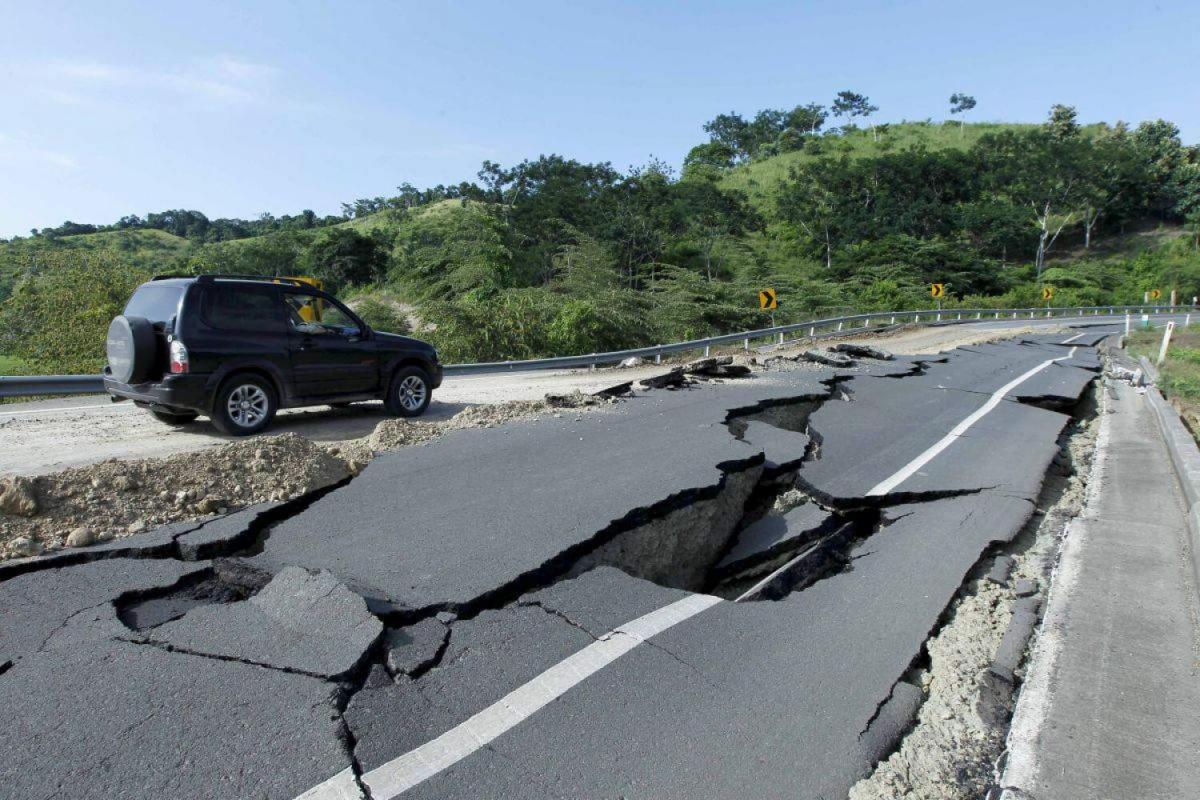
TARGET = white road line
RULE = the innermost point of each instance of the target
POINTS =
(342, 786)
(756, 588)
(1073, 338)
(404, 772)
(905, 472)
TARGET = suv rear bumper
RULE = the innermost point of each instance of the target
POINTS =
(176, 391)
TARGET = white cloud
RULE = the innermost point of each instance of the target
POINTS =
(223, 78)
(21, 150)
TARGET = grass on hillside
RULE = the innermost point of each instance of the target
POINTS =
(1179, 377)
(760, 179)
(11, 365)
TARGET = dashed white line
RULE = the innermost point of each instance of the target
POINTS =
(404, 772)
(1073, 338)
(905, 472)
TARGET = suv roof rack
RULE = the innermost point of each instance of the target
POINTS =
(215, 277)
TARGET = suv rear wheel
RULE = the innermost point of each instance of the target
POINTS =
(244, 404)
(174, 417)
(408, 393)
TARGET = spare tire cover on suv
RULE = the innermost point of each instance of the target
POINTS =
(131, 349)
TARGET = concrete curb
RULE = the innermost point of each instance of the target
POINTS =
(1185, 458)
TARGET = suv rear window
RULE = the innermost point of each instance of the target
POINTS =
(156, 302)
(242, 308)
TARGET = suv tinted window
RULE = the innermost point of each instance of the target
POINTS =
(242, 308)
(313, 315)
(155, 301)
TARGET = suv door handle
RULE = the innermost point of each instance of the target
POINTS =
(307, 343)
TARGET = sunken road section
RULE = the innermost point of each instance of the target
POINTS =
(536, 609)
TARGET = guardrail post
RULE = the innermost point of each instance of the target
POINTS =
(916, 318)
(1126, 323)
(812, 331)
(893, 322)
(746, 344)
(1187, 321)
(781, 337)
(939, 317)
(658, 358)
(706, 351)
(960, 315)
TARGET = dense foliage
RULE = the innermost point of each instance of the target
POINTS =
(552, 256)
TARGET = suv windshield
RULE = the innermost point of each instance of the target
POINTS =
(157, 302)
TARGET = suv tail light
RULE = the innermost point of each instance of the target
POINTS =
(179, 358)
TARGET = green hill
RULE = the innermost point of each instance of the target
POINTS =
(760, 178)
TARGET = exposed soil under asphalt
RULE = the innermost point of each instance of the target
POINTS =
(951, 752)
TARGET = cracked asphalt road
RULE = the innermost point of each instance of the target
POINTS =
(536, 609)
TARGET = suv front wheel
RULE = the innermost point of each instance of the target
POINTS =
(244, 404)
(408, 393)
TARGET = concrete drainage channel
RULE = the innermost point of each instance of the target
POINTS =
(759, 535)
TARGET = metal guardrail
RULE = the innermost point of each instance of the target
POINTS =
(31, 385)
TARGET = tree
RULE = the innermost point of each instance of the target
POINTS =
(807, 202)
(342, 256)
(960, 104)
(852, 104)
(707, 161)
(1041, 170)
(807, 119)
(713, 217)
(1061, 122)
(1115, 176)
(731, 130)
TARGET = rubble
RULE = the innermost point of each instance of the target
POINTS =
(827, 358)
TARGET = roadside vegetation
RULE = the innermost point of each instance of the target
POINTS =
(1179, 375)
(553, 256)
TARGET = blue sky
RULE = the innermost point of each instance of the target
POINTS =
(239, 108)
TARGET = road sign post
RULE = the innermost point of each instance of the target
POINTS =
(937, 291)
(1162, 351)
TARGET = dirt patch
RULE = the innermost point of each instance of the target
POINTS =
(118, 498)
(959, 734)
(115, 498)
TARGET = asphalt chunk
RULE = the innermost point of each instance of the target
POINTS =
(74, 604)
(146, 723)
(299, 622)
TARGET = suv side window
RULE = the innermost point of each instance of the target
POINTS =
(241, 308)
(315, 315)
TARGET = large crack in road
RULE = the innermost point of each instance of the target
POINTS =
(444, 577)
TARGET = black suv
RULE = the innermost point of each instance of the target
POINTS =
(239, 348)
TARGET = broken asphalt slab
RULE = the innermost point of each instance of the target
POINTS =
(299, 622)
(775, 535)
(802, 695)
(68, 602)
(487, 511)
(134, 721)
(891, 423)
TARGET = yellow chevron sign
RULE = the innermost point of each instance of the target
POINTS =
(937, 289)
(767, 300)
